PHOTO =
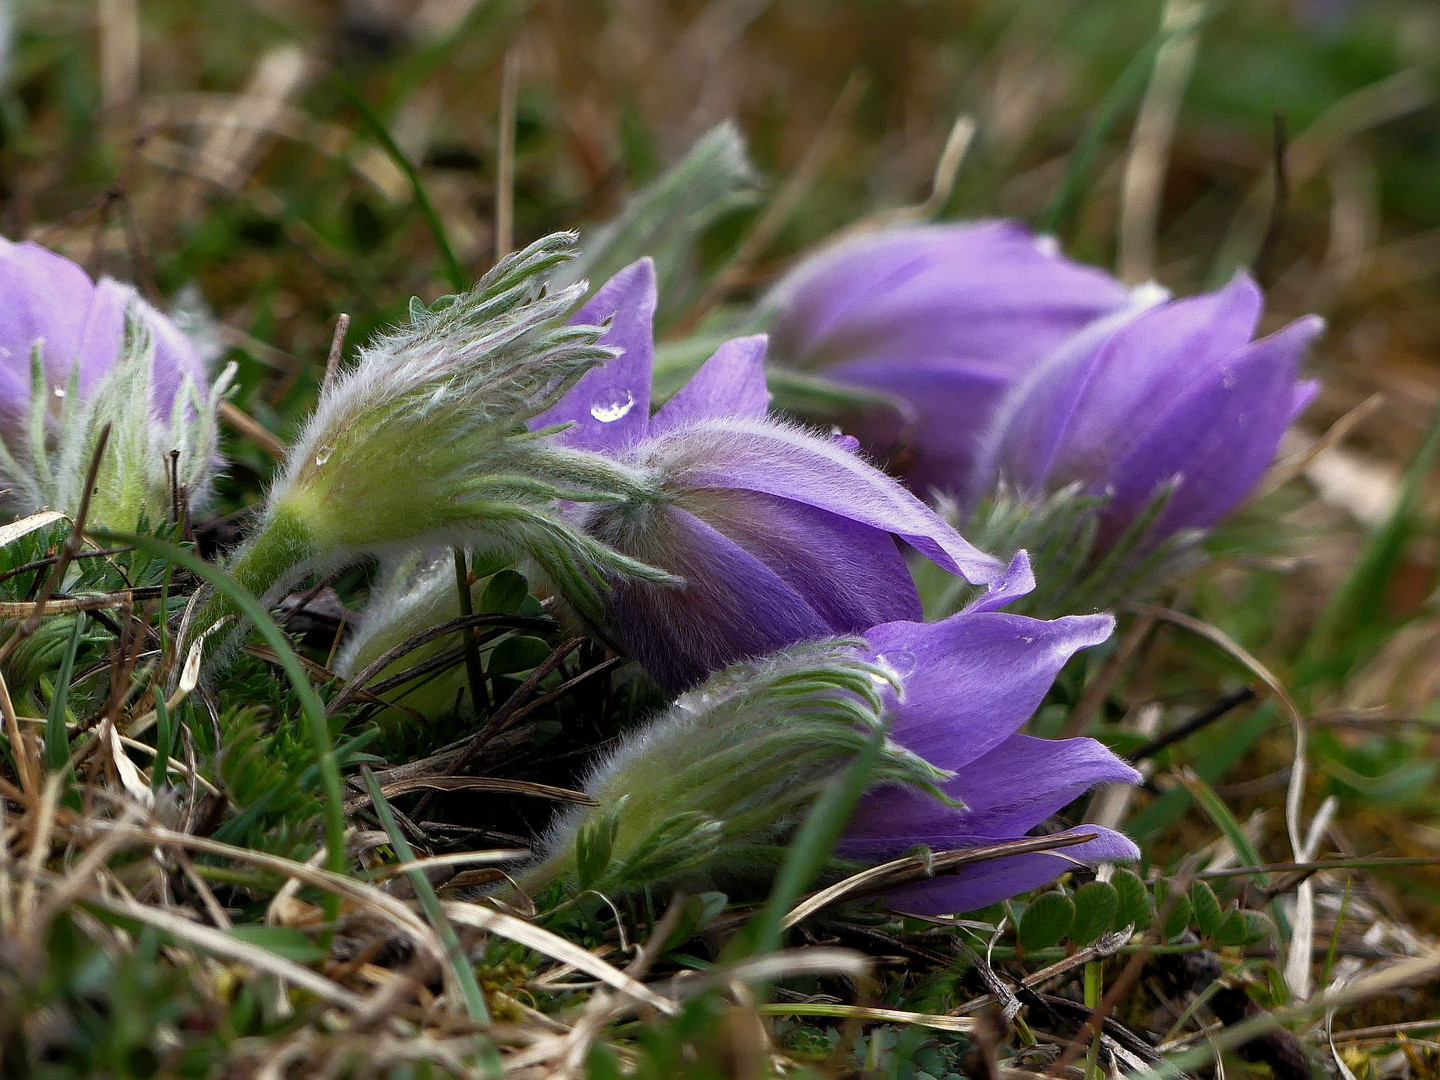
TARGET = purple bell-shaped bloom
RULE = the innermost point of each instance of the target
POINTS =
(968, 683)
(1179, 395)
(79, 358)
(79, 325)
(728, 769)
(780, 535)
(942, 318)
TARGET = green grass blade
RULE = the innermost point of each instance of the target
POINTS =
(1125, 92)
(454, 953)
(1356, 609)
(311, 707)
(810, 848)
(454, 272)
(57, 737)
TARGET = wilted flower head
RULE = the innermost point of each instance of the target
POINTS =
(780, 535)
(423, 442)
(76, 356)
(943, 319)
(1180, 396)
(712, 786)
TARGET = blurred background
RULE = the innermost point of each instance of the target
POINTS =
(238, 146)
(268, 164)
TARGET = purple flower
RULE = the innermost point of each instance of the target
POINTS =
(80, 327)
(707, 791)
(78, 358)
(969, 683)
(780, 535)
(1177, 395)
(944, 318)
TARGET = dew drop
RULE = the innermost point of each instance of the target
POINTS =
(323, 454)
(611, 404)
(1047, 245)
(59, 391)
(901, 664)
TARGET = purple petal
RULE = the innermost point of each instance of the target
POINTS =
(731, 606)
(1305, 392)
(43, 297)
(102, 339)
(950, 404)
(176, 359)
(986, 292)
(1017, 581)
(776, 459)
(971, 680)
(1030, 424)
(1077, 412)
(1008, 790)
(610, 406)
(1218, 439)
(853, 576)
(1152, 362)
(982, 884)
(730, 383)
(102, 334)
(1056, 772)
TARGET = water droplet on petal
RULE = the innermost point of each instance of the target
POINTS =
(902, 661)
(1047, 245)
(611, 404)
(323, 454)
(900, 664)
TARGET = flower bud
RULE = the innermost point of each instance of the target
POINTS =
(940, 319)
(709, 790)
(423, 443)
(77, 357)
(1179, 399)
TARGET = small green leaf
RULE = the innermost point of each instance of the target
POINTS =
(1258, 927)
(989, 915)
(505, 592)
(697, 913)
(1178, 920)
(1096, 905)
(1233, 931)
(1205, 909)
(1135, 908)
(516, 654)
(1046, 921)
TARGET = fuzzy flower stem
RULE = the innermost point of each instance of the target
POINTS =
(270, 560)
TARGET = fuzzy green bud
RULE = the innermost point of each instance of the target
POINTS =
(424, 443)
(709, 790)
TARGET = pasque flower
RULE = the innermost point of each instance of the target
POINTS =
(943, 319)
(965, 686)
(778, 534)
(711, 788)
(76, 356)
(1180, 398)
